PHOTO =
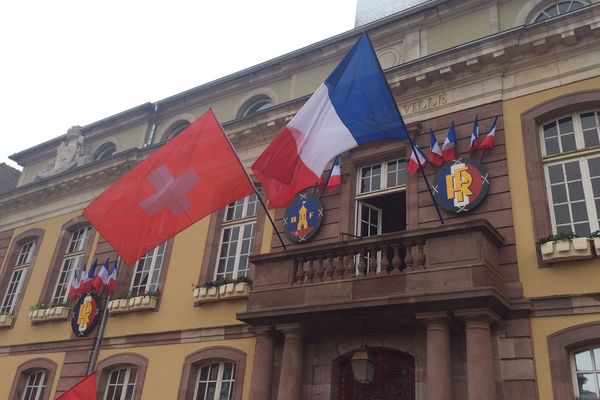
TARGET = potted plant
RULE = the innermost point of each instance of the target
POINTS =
(143, 300)
(56, 311)
(225, 286)
(595, 238)
(242, 286)
(564, 246)
(6, 319)
(37, 312)
(205, 293)
(118, 303)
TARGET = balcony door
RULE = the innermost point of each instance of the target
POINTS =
(394, 378)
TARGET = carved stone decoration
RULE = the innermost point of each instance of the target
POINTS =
(69, 154)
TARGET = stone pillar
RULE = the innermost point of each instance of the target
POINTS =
(262, 368)
(290, 378)
(439, 365)
(481, 378)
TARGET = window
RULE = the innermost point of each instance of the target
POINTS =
(147, 271)
(35, 384)
(121, 384)
(587, 373)
(73, 260)
(215, 381)
(175, 130)
(17, 278)
(571, 153)
(254, 105)
(237, 238)
(558, 8)
(105, 151)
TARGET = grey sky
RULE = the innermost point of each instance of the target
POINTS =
(70, 62)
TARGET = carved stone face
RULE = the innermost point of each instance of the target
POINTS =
(74, 132)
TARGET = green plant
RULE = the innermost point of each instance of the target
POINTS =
(595, 234)
(557, 237)
(39, 306)
(123, 294)
(243, 279)
(152, 293)
(5, 313)
(57, 304)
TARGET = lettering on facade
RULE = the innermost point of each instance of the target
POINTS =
(425, 104)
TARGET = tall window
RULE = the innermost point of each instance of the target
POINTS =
(35, 384)
(215, 381)
(121, 384)
(558, 8)
(147, 271)
(237, 238)
(587, 373)
(73, 260)
(571, 150)
(17, 278)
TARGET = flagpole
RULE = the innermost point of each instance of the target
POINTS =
(412, 145)
(100, 336)
(328, 178)
(262, 203)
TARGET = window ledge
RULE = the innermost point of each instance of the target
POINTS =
(568, 250)
(6, 321)
(230, 291)
(49, 314)
(133, 304)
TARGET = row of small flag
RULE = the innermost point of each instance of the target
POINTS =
(89, 280)
(439, 155)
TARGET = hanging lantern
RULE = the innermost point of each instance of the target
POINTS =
(363, 366)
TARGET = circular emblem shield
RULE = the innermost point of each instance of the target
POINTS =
(85, 314)
(460, 185)
(303, 217)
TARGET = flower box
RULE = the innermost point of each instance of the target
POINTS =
(596, 242)
(235, 291)
(142, 303)
(566, 250)
(206, 295)
(37, 315)
(118, 306)
(57, 313)
(6, 321)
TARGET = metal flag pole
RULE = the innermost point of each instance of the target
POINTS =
(412, 145)
(262, 203)
(100, 336)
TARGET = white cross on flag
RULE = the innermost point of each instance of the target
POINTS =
(195, 173)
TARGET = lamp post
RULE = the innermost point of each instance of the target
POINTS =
(363, 369)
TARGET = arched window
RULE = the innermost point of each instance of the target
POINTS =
(557, 8)
(105, 151)
(121, 377)
(33, 380)
(214, 373)
(175, 129)
(587, 372)
(254, 105)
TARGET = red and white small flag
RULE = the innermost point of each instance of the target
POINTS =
(474, 145)
(101, 279)
(435, 152)
(85, 283)
(74, 289)
(417, 160)
(84, 389)
(488, 141)
(335, 179)
(449, 146)
(111, 284)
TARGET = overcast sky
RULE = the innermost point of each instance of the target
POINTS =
(73, 62)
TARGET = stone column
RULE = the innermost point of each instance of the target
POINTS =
(439, 365)
(290, 378)
(262, 367)
(481, 379)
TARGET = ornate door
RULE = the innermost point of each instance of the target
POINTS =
(394, 378)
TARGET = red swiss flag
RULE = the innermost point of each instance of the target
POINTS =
(195, 173)
(84, 389)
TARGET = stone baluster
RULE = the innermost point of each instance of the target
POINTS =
(408, 260)
(385, 261)
(373, 261)
(318, 269)
(310, 271)
(328, 267)
(420, 259)
(362, 262)
(340, 266)
(300, 271)
(350, 267)
(396, 260)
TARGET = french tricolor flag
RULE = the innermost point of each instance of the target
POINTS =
(435, 153)
(101, 279)
(74, 289)
(417, 160)
(474, 144)
(111, 284)
(449, 146)
(335, 179)
(488, 140)
(352, 107)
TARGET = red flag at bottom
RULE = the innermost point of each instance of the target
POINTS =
(83, 390)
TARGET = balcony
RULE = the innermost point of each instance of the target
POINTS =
(442, 268)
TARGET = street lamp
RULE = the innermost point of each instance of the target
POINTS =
(363, 366)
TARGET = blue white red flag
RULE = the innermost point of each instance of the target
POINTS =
(85, 284)
(488, 141)
(111, 284)
(101, 279)
(417, 160)
(74, 289)
(449, 146)
(352, 107)
(335, 177)
(435, 153)
(474, 145)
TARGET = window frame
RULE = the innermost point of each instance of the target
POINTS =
(18, 241)
(531, 120)
(117, 361)
(135, 289)
(542, 8)
(593, 371)
(219, 380)
(124, 385)
(31, 366)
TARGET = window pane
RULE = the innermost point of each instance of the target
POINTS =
(583, 361)
(562, 215)
(576, 191)
(555, 173)
(572, 171)
(579, 212)
(559, 194)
